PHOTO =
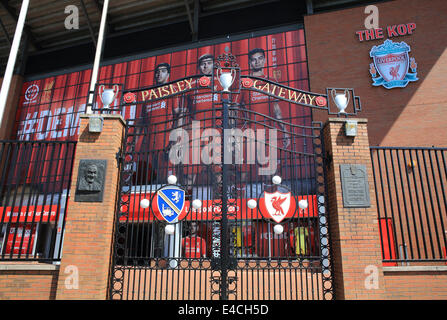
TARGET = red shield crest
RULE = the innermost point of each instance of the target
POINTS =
(277, 206)
(392, 66)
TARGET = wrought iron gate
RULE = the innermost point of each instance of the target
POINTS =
(239, 241)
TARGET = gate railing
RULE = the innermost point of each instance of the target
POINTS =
(34, 183)
(260, 264)
(410, 185)
(250, 253)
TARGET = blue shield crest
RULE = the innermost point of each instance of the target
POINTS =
(170, 202)
(391, 65)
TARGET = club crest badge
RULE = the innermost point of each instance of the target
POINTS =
(277, 205)
(170, 202)
(31, 93)
(391, 67)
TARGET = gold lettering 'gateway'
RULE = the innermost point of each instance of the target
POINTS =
(272, 89)
(284, 93)
(166, 90)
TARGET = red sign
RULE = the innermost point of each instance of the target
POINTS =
(30, 213)
(388, 242)
(24, 239)
(392, 31)
(239, 211)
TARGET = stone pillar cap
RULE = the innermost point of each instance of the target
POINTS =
(105, 117)
(359, 120)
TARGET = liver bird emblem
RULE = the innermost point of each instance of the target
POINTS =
(394, 72)
(276, 203)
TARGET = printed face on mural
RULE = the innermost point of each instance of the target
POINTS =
(162, 73)
(206, 64)
(256, 60)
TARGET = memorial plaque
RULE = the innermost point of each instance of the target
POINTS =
(91, 177)
(355, 187)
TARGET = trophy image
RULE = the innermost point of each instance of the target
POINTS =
(108, 95)
(226, 78)
(226, 69)
(341, 99)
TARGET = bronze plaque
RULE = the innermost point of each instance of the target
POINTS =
(355, 187)
(91, 177)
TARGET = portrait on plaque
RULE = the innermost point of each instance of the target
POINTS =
(355, 187)
(90, 184)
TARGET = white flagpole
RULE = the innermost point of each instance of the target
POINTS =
(4, 93)
(99, 47)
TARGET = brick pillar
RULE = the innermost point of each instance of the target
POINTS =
(354, 231)
(89, 225)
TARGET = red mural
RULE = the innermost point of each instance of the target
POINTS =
(49, 108)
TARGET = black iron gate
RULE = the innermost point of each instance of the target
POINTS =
(253, 224)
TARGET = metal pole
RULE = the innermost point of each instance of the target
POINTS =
(12, 58)
(5, 32)
(188, 11)
(224, 245)
(98, 54)
(89, 23)
(195, 35)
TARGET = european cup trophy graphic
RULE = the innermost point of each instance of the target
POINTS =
(341, 100)
(108, 95)
(226, 78)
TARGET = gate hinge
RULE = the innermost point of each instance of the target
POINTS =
(327, 158)
(119, 157)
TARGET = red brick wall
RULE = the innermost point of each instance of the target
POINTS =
(424, 285)
(354, 232)
(28, 285)
(411, 116)
(90, 225)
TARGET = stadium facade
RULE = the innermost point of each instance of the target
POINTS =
(297, 158)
